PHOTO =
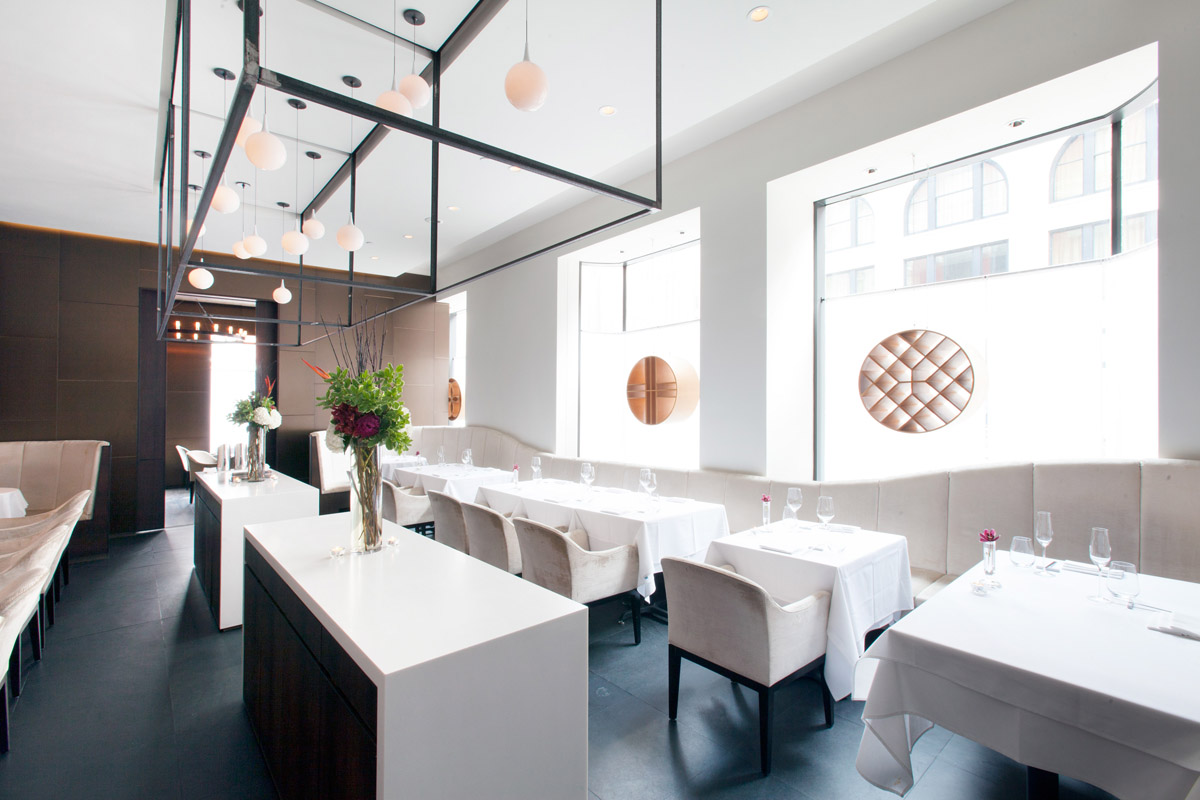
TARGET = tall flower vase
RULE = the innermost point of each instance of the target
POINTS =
(989, 558)
(256, 465)
(366, 500)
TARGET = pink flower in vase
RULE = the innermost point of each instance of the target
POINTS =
(988, 535)
(766, 498)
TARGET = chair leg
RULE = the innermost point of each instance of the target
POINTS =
(50, 604)
(3, 716)
(635, 605)
(66, 569)
(191, 492)
(766, 707)
(41, 625)
(14, 668)
(826, 698)
(35, 635)
(673, 659)
(58, 581)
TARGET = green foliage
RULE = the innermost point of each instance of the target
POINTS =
(243, 412)
(377, 393)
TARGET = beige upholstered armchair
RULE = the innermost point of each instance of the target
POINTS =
(730, 625)
(491, 538)
(405, 508)
(448, 525)
(562, 563)
(194, 461)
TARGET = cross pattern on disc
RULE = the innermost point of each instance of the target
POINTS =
(916, 381)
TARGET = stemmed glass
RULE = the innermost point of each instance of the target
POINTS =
(1100, 551)
(535, 465)
(824, 509)
(1122, 581)
(795, 498)
(466, 457)
(441, 456)
(652, 487)
(644, 480)
(1020, 552)
(1043, 531)
(587, 474)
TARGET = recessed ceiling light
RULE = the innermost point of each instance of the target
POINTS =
(514, 168)
(452, 208)
(374, 258)
(607, 111)
(1015, 123)
(408, 236)
(759, 13)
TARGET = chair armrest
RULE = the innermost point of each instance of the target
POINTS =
(602, 573)
(797, 633)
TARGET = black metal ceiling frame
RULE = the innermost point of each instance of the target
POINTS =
(253, 74)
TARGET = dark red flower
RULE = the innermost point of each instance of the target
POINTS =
(366, 426)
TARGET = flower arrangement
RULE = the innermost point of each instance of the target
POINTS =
(257, 409)
(988, 535)
(766, 498)
(363, 397)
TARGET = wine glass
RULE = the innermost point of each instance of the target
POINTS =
(1044, 532)
(652, 487)
(587, 474)
(1100, 551)
(535, 465)
(441, 456)
(795, 498)
(1020, 551)
(466, 457)
(1122, 581)
(644, 480)
(825, 509)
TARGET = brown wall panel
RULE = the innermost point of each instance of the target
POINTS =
(30, 241)
(97, 342)
(34, 395)
(124, 494)
(100, 410)
(28, 431)
(95, 270)
(189, 368)
(29, 301)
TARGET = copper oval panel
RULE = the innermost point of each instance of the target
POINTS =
(455, 400)
(916, 381)
(652, 390)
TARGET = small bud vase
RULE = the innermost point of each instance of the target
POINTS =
(989, 558)
(766, 512)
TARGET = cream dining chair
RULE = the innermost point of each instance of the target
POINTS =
(448, 525)
(406, 508)
(730, 625)
(491, 538)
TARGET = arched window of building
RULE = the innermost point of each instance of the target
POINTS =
(958, 195)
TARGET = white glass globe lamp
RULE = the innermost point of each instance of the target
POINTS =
(525, 85)
(282, 294)
(294, 242)
(265, 150)
(225, 200)
(249, 126)
(350, 237)
(392, 100)
(200, 278)
(239, 250)
(255, 245)
(416, 90)
(313, 228)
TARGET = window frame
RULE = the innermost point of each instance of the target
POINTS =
(977, 187)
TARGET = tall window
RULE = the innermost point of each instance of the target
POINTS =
(1084, 165)
(849, 224)
(628, 311)
(959, 195)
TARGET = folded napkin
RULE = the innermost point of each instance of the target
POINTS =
(844, 528)
(1176, 624)
(783, 546)
(1079, 566)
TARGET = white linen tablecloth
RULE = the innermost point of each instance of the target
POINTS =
(866, 574)
(12, 503)
(669, 526)
(460, 481)
(390, 463)
(1036, 671)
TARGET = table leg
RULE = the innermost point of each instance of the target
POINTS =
(1040, 784)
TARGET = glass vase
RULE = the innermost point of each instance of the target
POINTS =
(256, 465)
(366, 500)
(989, 558)
(766, 513)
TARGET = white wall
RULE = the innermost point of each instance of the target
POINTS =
(512, 358)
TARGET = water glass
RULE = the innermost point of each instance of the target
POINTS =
(652, 486)
(535, 465)
(587, 474)
(644, 480)
(1020, 551)
(795, 498)
(466, 457)
(441, 456)
(1043, 531)
(1122, 581)
(825, 509)
(1100, 551)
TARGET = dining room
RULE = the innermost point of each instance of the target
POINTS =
(823, 426)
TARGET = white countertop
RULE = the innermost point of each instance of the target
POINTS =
(414, 602)
(220, 485)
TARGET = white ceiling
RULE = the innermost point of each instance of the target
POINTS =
(721, 72)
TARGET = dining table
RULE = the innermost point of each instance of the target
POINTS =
(12, 503)
(865, 572)
(1033, 668)
(460, 481)
(612, 517)
(390, 463)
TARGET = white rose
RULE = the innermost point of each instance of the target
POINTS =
(276, 419)
(333, 440)
(262, 416)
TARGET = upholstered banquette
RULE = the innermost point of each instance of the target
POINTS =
(51, 473)
(1151, 508)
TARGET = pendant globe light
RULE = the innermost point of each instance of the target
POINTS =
(282, 294)
(392, 100)
(249, 127)
(313, 228)
(525, 85)
(350, 237)
(225, 200)
(413, 86)
(263, 148)
(293, 241)
(239, 247)
(199, 277)
(255, 245)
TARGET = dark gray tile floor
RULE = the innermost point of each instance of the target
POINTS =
(139, 696)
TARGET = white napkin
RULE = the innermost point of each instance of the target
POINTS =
(783, 546)
(1176, 624)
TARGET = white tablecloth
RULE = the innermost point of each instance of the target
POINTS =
(389, 464)
(12, 503)
(457, 480)
(868, 581)
(1039, 673)
(673, 526)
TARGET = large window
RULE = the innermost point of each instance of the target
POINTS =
(1054, 311)
(849, 224)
